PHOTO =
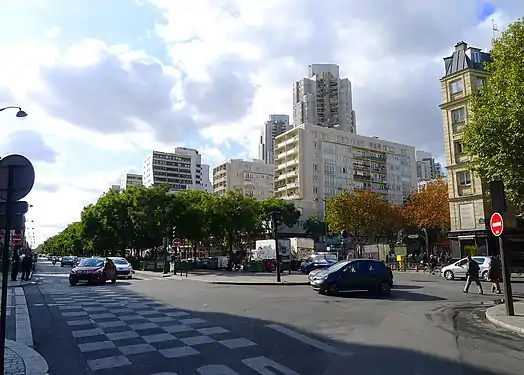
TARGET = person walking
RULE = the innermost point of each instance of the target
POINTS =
(15, 265)
(473, 275)
(27, 264)
(495, 274)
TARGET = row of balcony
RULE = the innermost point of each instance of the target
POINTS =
(380, 159)
(284, 176)
(287, 153)
(369, 178)
(287, 142)
(368, 167)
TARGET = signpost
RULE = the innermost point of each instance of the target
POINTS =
(496, 224)
(17, 177)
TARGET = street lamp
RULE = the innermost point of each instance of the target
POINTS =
(274, 224)
(426, 239)
(318, 199)
(19, 114)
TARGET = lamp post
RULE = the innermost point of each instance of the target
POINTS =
(19, 114)
(426, 239)
(324, 205)
(273, 215)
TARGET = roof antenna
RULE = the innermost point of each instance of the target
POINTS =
(494, 28)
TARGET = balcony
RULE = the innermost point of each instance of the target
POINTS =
(361, 177)
(361, 166)
(379, 180)
(379, 170)
(380, 159)
(461, 158)
(361, 156)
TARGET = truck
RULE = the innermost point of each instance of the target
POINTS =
(302, 248)
(266, 250)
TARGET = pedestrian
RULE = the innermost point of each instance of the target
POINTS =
(27, 264)
(15, 265)
(473, 275)
(495, 274)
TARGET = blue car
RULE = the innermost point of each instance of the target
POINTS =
(316, 262)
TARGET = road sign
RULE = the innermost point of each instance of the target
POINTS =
(176, 242)
(23, 177)
(17, 239)
(17, 208)
(496, 224)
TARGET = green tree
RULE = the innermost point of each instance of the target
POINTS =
(284, 213)
(315, 226)
(494, 137)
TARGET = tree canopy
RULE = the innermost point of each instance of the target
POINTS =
(494, 136)
(141, 218)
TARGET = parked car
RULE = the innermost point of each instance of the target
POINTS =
(67, 261)
(359, 274)
(123, 267)
(459, 269)
(315, 262)
(93, 270)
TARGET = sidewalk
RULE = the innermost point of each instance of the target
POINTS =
(497, 315)
(20, 358)
(232, 277)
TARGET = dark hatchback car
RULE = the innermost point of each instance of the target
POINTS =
(358, 274)
(93, 270)
(67, 261)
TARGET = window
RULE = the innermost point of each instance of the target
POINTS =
(456, 86)
(458, 115)
(464, 178)
(481, 81)
(459, 149)
(475, 56)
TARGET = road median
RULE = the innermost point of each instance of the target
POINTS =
(497, 315)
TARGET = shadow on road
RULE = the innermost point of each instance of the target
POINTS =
(327, 356)
(406, 287)
(396, 295)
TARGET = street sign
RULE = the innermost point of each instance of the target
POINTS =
(23, 176)
(496, 224)
(17, 239)
(17, 208)
(17, 222)
(176, 242)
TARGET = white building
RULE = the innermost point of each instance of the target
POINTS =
(276, 125)
(130, 179)
(314, 163)
(115, 187)
(324, 99)
(427, 168)
(254, 178)
(181, 170)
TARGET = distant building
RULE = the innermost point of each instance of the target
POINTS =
(276, 125)
(130, 179)
(181, 170)
(253, 178)
(115, 187)
(427, 167)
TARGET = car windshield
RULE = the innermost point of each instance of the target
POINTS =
(119, 261)
(339, 265)
(91, 262)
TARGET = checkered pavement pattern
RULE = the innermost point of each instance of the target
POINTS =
(112, 328)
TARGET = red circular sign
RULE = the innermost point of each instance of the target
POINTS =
(17, 239)
(176, 242)
(496, 224)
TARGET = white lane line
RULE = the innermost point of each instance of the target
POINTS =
(308, 340)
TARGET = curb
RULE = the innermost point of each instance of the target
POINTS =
(500, 323)
(34, 363)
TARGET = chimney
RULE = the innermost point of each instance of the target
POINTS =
(461, 46)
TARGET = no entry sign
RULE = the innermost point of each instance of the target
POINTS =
(176, 242)
(496, 224)
(17, 239)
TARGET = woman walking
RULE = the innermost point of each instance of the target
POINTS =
(495, 274)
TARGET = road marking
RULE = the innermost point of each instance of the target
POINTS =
(262, 365)
(308, 340)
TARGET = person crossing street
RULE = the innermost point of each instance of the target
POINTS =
(473, 275)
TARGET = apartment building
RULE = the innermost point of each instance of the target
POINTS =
(254, 178)
(324, 99)
(427, 168)
(276, 125)
(181, 170)
(314, 163)
(115, 188)
(130, 179)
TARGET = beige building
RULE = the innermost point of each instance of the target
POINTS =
(254, 178)
(314, 163)
(469, 208)
(130, 179)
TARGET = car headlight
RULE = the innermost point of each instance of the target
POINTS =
(73, 270)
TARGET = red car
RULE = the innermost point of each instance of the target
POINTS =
(93, 270)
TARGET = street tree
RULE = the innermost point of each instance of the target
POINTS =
(494, 137)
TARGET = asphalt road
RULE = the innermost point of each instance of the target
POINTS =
(150, 326)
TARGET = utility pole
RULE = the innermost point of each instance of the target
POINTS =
(277, 250)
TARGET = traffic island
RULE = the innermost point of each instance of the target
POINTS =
(497, 315)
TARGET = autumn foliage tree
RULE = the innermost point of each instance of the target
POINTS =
(428, 208)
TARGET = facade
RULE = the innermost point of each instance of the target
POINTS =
(130, 179)
(314, 163)
(421, 185)
(324, 99)
(276, 125)
(181, 170)
(427, 168)
(115, 188)
(469, 208)
(254, 178)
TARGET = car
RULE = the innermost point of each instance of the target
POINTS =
(459, 269)
(315, 262)
(357, 274)
(123, 268)
(67, 261)
(93, 270)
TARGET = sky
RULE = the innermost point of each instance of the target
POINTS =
(104, 82)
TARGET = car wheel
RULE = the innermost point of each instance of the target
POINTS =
(73, 282)
(334, 289)
(113, 280)
(448, 275)
(61, 265)
(384, 288)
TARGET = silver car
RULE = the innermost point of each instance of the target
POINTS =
(123, 267)
(459, 269)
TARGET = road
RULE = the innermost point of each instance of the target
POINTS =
(163, 326)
